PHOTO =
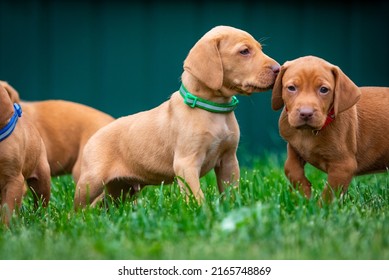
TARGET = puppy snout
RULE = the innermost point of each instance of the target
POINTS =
(275, 68)
(306, 113)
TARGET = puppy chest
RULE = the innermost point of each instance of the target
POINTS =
(219, 146)
(312, 152)
(224, 139)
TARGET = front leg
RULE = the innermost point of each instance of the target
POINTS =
(227, 171)
(40, 180)
(187, 170)
(294, 171)
(11, 197)
(340, 175)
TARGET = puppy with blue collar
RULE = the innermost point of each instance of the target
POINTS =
(22, 159)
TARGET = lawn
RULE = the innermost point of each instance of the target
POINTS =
(264, 220)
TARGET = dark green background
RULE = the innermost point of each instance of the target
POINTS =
(124, 56)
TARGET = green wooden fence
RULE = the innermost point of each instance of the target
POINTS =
(126, 56)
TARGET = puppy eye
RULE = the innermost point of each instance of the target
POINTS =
(323, 90)
(291, 88)
(245, 52)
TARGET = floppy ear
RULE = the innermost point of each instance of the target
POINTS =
(346, 92)
(276, 98)
(204, 62)
(13, 94)
(6, 106)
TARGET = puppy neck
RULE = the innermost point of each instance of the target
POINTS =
(213, 107)
(7, 129)
(201, 90)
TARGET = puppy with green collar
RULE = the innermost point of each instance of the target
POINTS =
(188, 135)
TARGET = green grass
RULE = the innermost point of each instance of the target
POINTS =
(264, 221)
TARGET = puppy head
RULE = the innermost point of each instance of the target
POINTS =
(310, 87)
(13, 94)
(231, 59)
(6, 106)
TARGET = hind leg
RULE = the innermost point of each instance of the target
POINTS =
(89, 190)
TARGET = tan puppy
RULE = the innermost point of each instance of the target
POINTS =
(65, 128)
(179, 138)
(326, 126)
(22, 157)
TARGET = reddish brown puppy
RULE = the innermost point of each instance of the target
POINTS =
(330, 123)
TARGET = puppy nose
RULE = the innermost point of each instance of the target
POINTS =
(276, 68)
(306, 113)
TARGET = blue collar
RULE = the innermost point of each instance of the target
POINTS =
(9, 128)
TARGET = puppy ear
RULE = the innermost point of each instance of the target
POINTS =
(13, 94)
(276, 98)
(346, 92)
(205, 63)
(6, 106)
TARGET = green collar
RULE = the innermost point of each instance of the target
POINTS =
(194, 101)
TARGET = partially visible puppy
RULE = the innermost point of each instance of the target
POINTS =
(65, 128)
(330, 123)
(188, 135)
(22, 157)
(13, 94)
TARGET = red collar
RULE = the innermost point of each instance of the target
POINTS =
(330, 118)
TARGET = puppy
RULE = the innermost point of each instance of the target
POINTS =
(22, 157)
(186, 136)
(65, 128)
(330, 123)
